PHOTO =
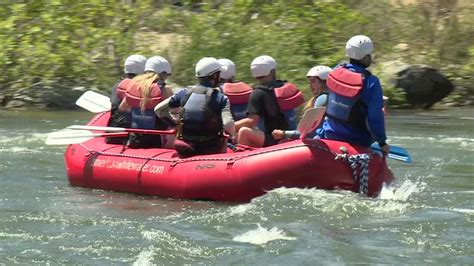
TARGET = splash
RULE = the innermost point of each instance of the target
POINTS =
(401, 192)
(145, 257)
(261, 236)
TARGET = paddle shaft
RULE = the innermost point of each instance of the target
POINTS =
(122, 129)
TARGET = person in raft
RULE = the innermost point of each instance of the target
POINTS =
(262, 105)
(237, 92)
(317, 82)
(134, 65)
(143, 93)
(203, 113)
(354, 110)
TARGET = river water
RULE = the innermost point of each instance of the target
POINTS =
(425, 217)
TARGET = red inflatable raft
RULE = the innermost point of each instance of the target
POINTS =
(234, 176)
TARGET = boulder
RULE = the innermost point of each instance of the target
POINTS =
(424, 85)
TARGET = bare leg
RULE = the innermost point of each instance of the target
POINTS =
(251, 137)
(169, 141)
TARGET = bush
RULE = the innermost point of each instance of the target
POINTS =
(298, 34)
(66, 42)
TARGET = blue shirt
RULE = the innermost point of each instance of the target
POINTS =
(372, 97)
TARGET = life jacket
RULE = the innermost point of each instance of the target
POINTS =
(123, 86)
(238, 94)
(288, 98)
(273, 110)
(145, 119)
(198, 122)
(344, 97)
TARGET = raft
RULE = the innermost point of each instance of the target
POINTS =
(236, 176)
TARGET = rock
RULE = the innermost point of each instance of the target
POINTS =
(424, 85)
(15, 104)
(401, 47)
(390, 70)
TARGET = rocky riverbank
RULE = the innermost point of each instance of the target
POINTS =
(421, 86)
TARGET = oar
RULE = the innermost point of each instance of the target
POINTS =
(396, 153)
(65, 137)
(122, 129)
(94, 102)
(311, 120)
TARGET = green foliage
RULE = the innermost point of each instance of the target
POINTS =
(298, 34)
(83, 43)
(66, 42)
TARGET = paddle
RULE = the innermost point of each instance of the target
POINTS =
(94, 102)
(65, 137)
(78, 134)
(396, 153)
(311, 120)
(122, 129)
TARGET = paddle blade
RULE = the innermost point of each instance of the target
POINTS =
(94, 102)
(66, 137)
(396, 153)
(311, 120)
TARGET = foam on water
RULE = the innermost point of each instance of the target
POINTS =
(401, 192)
(176, 244)
(145, 257)
(261, 236)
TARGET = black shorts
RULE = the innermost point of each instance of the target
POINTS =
(269, 140)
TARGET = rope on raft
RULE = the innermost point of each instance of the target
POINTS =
(360, 167)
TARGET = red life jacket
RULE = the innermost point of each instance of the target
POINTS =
(345, 82)
(123, 86)
(134, 96)
(345, 89)
(288, 96)
(237, 93)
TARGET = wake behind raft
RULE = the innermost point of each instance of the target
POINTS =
(235, 176)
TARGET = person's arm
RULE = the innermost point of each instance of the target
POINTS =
(285, 134)
(227, 119)
(169, 107)
(321, 100)
(114, 99)
(373, 98)
(255, 108)
(124, 106)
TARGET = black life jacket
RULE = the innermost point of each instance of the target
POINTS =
(198, 122)
(276, 118)
(344, 102)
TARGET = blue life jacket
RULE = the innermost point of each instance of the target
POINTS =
(344, 98)
(198, 122)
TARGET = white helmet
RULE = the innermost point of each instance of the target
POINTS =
(158, 65)
(228, 68)
(359, 46)
(262, 66)
(321, 72)
(134, 64)
(207, 66)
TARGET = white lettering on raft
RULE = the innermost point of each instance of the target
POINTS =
(129, 166)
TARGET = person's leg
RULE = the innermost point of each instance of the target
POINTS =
(250, 137)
